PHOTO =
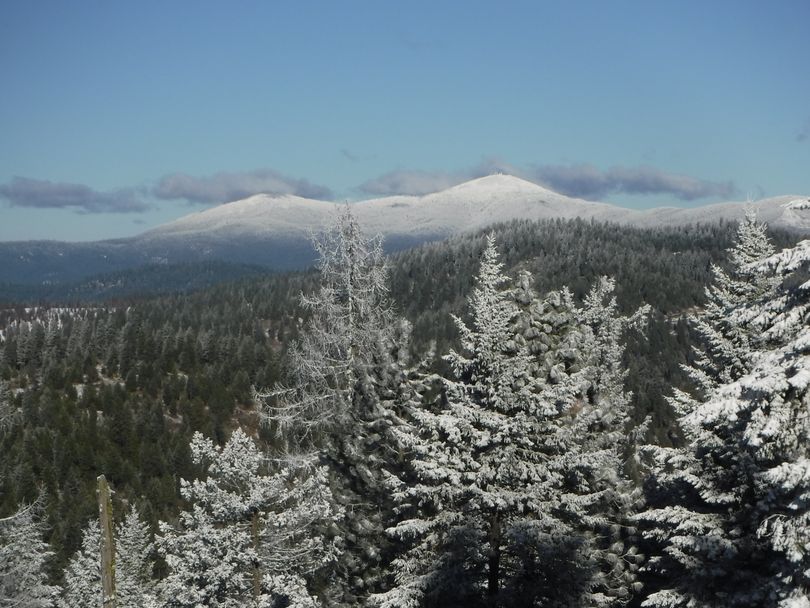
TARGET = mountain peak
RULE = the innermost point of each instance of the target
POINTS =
(498, 182)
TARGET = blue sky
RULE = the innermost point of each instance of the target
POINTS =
(116, 117)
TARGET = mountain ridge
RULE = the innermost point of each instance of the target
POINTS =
(442, 213)
(466, 206)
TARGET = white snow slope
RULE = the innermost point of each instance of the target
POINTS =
(465, 207)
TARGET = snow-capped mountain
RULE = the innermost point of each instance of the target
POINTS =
(467, 206)
(274, 230)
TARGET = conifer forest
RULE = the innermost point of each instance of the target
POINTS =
(556, 414)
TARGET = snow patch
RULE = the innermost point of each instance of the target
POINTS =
(799, 203)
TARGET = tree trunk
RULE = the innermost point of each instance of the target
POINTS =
(107, 544)
(494, 562)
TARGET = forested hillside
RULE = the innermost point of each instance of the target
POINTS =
(124, 285)
(121, 387)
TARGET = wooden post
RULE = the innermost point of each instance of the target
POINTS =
(257, 573)
(107, 544)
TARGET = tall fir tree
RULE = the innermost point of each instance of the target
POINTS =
(730, 512)
(23, 550)
(576, 362)
(135, 561)
(607, 437)
(8, 413)
(513, 472)
(23, 556)
(474, 458)
(340, 400)
(725, 347)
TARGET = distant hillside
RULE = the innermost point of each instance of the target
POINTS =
(145, 281)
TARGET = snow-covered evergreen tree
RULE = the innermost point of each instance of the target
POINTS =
(23, 553)
(209, 563)
(726, 346)
(133, 566)
(474, 458)
(134, 561)
(8, 413)
(730, 513)
(82, 587)
(606, 437)
(23, 550)
(249, 537)
(577, 355)
(350, 325)
(513, 468)
(340, 399)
